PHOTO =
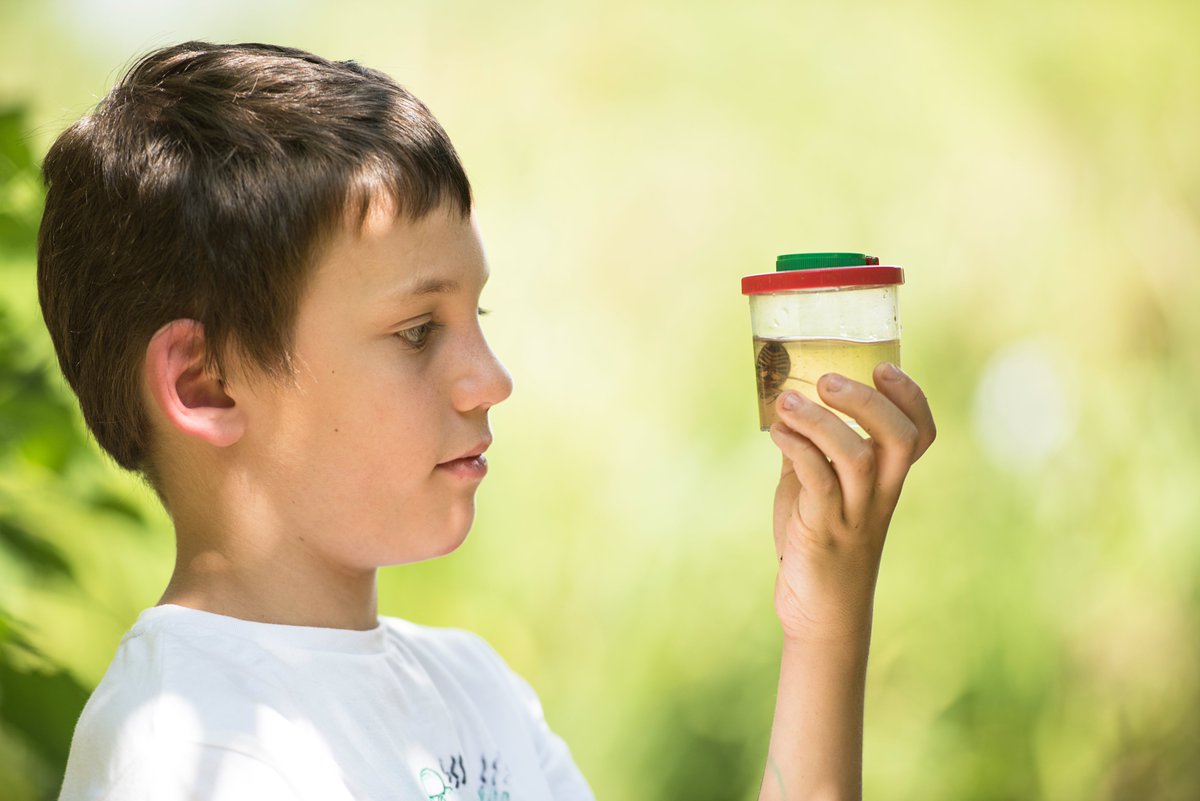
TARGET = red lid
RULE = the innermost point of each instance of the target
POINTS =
(827, 278)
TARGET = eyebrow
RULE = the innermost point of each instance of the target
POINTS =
(426, 286)
(433, 286)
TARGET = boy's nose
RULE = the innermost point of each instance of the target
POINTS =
(487, 383)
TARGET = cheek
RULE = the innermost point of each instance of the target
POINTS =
(370, 414)
(385, 423)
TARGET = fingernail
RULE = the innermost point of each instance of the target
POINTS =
(834, 382)
(891, 372)
(791, 400)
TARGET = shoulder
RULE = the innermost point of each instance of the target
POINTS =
(179, 679)
(473, 676)
(460, 657)
(143, 699)
(453, 650)
(175, 771)
(177, 697)
(451, 644)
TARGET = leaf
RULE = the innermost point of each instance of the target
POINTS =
(21, 192)
(40, 702)
(105, 500)
(10, 635)
(15, 153)
(41, 706)
(35, 553)
(35, 418)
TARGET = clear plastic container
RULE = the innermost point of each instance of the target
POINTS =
(821, 313)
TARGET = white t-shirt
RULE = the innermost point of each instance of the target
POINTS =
(205, 707)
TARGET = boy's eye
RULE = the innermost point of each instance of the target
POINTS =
(417, 337)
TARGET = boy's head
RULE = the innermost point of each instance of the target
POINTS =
(206, 187)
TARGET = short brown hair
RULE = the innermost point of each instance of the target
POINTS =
(203, 187)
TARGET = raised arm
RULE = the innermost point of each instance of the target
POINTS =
(833, 505)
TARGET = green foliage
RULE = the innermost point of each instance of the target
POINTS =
(1036, 621)
(39, 699)
(20, 193)
(41, 557)
(35, 420)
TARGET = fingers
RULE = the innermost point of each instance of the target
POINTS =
(853, 459)
(908, 397)
(896, 416)
(818, 483)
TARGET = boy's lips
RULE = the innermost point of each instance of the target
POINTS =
(475, 452)
(472, 465)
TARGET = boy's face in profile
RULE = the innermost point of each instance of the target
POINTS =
(393, 380)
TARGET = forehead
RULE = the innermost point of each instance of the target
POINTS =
(390, 255)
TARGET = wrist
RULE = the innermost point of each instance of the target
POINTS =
(837, 665)
(850, 641)
(843, 617)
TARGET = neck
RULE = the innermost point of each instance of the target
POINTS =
(269, 592)
(246, 562)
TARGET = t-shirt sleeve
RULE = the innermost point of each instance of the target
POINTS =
(193, 772)
(562, 775)
(176, 770)
(565, 780)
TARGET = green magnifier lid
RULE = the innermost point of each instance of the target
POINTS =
(819, 261)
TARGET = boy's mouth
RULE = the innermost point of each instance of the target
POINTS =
(471, 465)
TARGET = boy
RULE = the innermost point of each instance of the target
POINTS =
(261, 274)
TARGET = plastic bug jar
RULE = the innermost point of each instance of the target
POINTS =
(821, 313)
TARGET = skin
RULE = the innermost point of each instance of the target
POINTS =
(833, 504)
(288, 496)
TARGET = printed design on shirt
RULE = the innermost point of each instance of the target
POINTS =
(490, 784)
(435, 787)
(456, 774)
(493, 780)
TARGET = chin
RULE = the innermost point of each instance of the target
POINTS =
(435, 549)
(443, 541)
(451, 545)
(457, 528)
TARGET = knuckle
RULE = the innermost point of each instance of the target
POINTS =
(910, 436)
(872, 401)
(808, 410)
(862, 461)
(807, 415)
(815, 477)
(823, 482)
(925, 439)
(853, 392)
(926, 443)
(797, 449)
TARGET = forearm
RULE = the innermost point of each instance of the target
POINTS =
(816, 738)
(833, 504)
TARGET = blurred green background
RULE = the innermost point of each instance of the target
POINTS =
(1035, 168)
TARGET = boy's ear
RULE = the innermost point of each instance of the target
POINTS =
(191, 398)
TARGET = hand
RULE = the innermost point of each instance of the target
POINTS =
(836, 496)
